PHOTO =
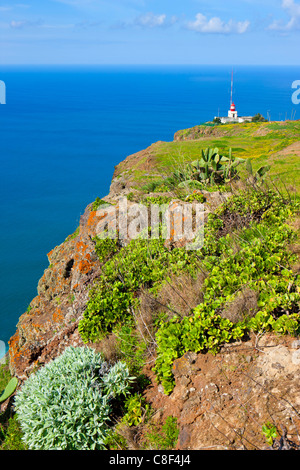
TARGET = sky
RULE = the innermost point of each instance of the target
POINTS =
(241, 32)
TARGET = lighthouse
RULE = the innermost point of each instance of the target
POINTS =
(232, 113)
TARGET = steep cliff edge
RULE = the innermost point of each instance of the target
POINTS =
(50, 323)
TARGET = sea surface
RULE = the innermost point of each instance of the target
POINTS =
(63, 129)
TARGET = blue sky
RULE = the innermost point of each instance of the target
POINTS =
(150, 32)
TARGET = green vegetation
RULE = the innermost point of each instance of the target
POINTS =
(10, 432)
(270, 432)
(263, 142)
(259, 118)
(67, 403)
(84, 400)
(4, 376)
(211, 169)
(166, 438)
(11, 436)
(9, 389)
(140, 264)
(136, 408)
(98, 203)
(253, 255)
(105, 248)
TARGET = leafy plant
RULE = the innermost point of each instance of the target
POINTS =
(106, 247)
(141, 263)
(259, 176)
(261, 262)
(211, 169)
(9, 389)
(67, 403)
(166, 438)
(97, 203)
(270, 432)
(12, 436)
(136, 408)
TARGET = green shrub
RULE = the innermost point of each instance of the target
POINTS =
(106, 247)
(141, 263)
(11, 438)
(261, 262)
(270, 432)
(136, 409)
(67, 403)
(97, 203)
(166, 438)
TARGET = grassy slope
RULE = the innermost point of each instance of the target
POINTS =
(275, 143)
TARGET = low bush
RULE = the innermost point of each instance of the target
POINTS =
(67, 403)
(141, 264)
(254, 256)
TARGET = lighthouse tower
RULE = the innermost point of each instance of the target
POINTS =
(232, 113)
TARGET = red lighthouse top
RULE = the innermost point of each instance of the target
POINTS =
(232, 107)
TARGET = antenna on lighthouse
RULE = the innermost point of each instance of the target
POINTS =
(231, 87)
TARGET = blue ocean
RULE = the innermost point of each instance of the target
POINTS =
(63, 129)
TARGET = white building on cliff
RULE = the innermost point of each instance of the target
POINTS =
(233, 116)
(232, 113)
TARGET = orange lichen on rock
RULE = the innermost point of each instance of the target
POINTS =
(58, 316)
(84, 266)
(73, 267)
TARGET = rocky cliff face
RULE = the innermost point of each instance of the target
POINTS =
(50, 324)
(222, 402)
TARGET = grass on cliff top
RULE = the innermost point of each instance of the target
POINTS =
(275, 143)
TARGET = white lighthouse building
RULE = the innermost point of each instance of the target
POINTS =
(232, 113)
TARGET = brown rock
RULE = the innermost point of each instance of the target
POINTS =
(51, 323)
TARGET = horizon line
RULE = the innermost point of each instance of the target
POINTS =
(142, 65)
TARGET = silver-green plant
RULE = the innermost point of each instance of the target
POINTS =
(67, 403)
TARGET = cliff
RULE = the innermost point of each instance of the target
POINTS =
(221, 401)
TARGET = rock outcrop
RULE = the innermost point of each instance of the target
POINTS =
(222, 402)
(50, 323)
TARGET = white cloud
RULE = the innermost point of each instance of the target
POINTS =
(18, 24)
(80, 3)
(293, 10)
(215, 25)
(37, 24)
(150, 20)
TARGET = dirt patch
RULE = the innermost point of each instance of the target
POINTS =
(293, 149)
(222, 401)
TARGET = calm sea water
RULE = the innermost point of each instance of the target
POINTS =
(63, 130)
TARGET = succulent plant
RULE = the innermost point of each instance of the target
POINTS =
(260, 174)
(211, 168)
(9, 389)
